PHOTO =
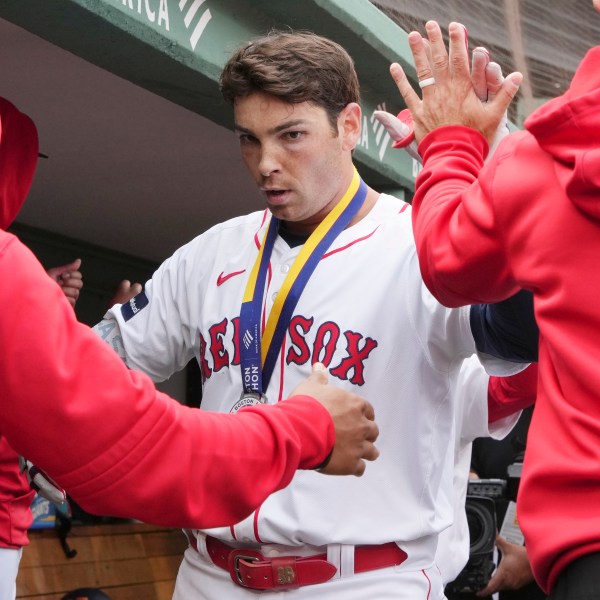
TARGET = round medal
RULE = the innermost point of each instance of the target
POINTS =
(248, 399)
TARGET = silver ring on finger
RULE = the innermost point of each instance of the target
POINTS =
(427, 82)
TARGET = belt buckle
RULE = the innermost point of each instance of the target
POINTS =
(234, 564)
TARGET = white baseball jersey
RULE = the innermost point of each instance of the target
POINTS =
(470, 395)
(366, 314)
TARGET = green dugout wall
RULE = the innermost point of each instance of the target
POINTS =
(176, 48)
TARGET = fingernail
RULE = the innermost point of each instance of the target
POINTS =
(482, 50)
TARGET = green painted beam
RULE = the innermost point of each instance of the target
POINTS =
(176, 48)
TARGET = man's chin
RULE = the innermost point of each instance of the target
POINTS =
(279, 211)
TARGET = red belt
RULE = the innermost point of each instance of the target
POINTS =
(249, 568)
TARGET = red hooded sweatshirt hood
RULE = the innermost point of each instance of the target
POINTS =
(567, 129)
(18, 159)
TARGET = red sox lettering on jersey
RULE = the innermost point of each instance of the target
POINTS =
(308, 344)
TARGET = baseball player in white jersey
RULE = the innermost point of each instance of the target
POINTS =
(471, 412)
(475, 417)
(327, 273)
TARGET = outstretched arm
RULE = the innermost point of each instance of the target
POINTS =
(119, 447)
(507, 329)
(460, 246)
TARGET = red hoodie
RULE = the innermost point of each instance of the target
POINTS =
(18, 158)
(118, 446)
(530, 218)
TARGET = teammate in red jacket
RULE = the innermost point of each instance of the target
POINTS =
(528, 218)
(118, 446)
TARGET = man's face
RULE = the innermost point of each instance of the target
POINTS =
(298, 162)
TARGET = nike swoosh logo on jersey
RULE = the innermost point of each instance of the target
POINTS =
(222, 278)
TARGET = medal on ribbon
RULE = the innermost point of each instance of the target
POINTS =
(259, 352)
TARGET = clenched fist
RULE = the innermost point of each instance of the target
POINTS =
(354, 422)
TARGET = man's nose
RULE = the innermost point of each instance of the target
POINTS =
(269, 162)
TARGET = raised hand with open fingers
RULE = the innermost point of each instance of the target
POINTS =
(452, 99)
(486, 78)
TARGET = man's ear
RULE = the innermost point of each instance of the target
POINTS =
(349, 123)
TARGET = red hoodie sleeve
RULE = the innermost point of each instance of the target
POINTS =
(508, 395)
(459, 243)
(112, 441)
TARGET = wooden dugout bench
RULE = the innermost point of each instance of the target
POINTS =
(128, 561)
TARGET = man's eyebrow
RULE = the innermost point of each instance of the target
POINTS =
(283, 126)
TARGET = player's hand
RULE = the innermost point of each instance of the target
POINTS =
(452, 98)
(125, 291)
(69, 278)
(486, 78)
(513, 572)
(41, 482)
(353, 419)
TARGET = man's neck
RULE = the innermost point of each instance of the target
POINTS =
(302, 231)
(366, 207)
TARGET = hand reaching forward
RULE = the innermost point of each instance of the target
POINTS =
(353, 419)
(513, 572)
(69, 278)
(125, 291)
(449, 96)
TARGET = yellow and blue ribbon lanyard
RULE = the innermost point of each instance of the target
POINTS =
(258, 353)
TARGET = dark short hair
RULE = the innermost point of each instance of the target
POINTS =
(295, 66)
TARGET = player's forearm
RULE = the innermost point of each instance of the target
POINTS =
(116, 444)
(121, 448)
(458, 244)
(199, 469)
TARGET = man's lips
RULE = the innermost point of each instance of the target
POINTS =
(276, 196)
